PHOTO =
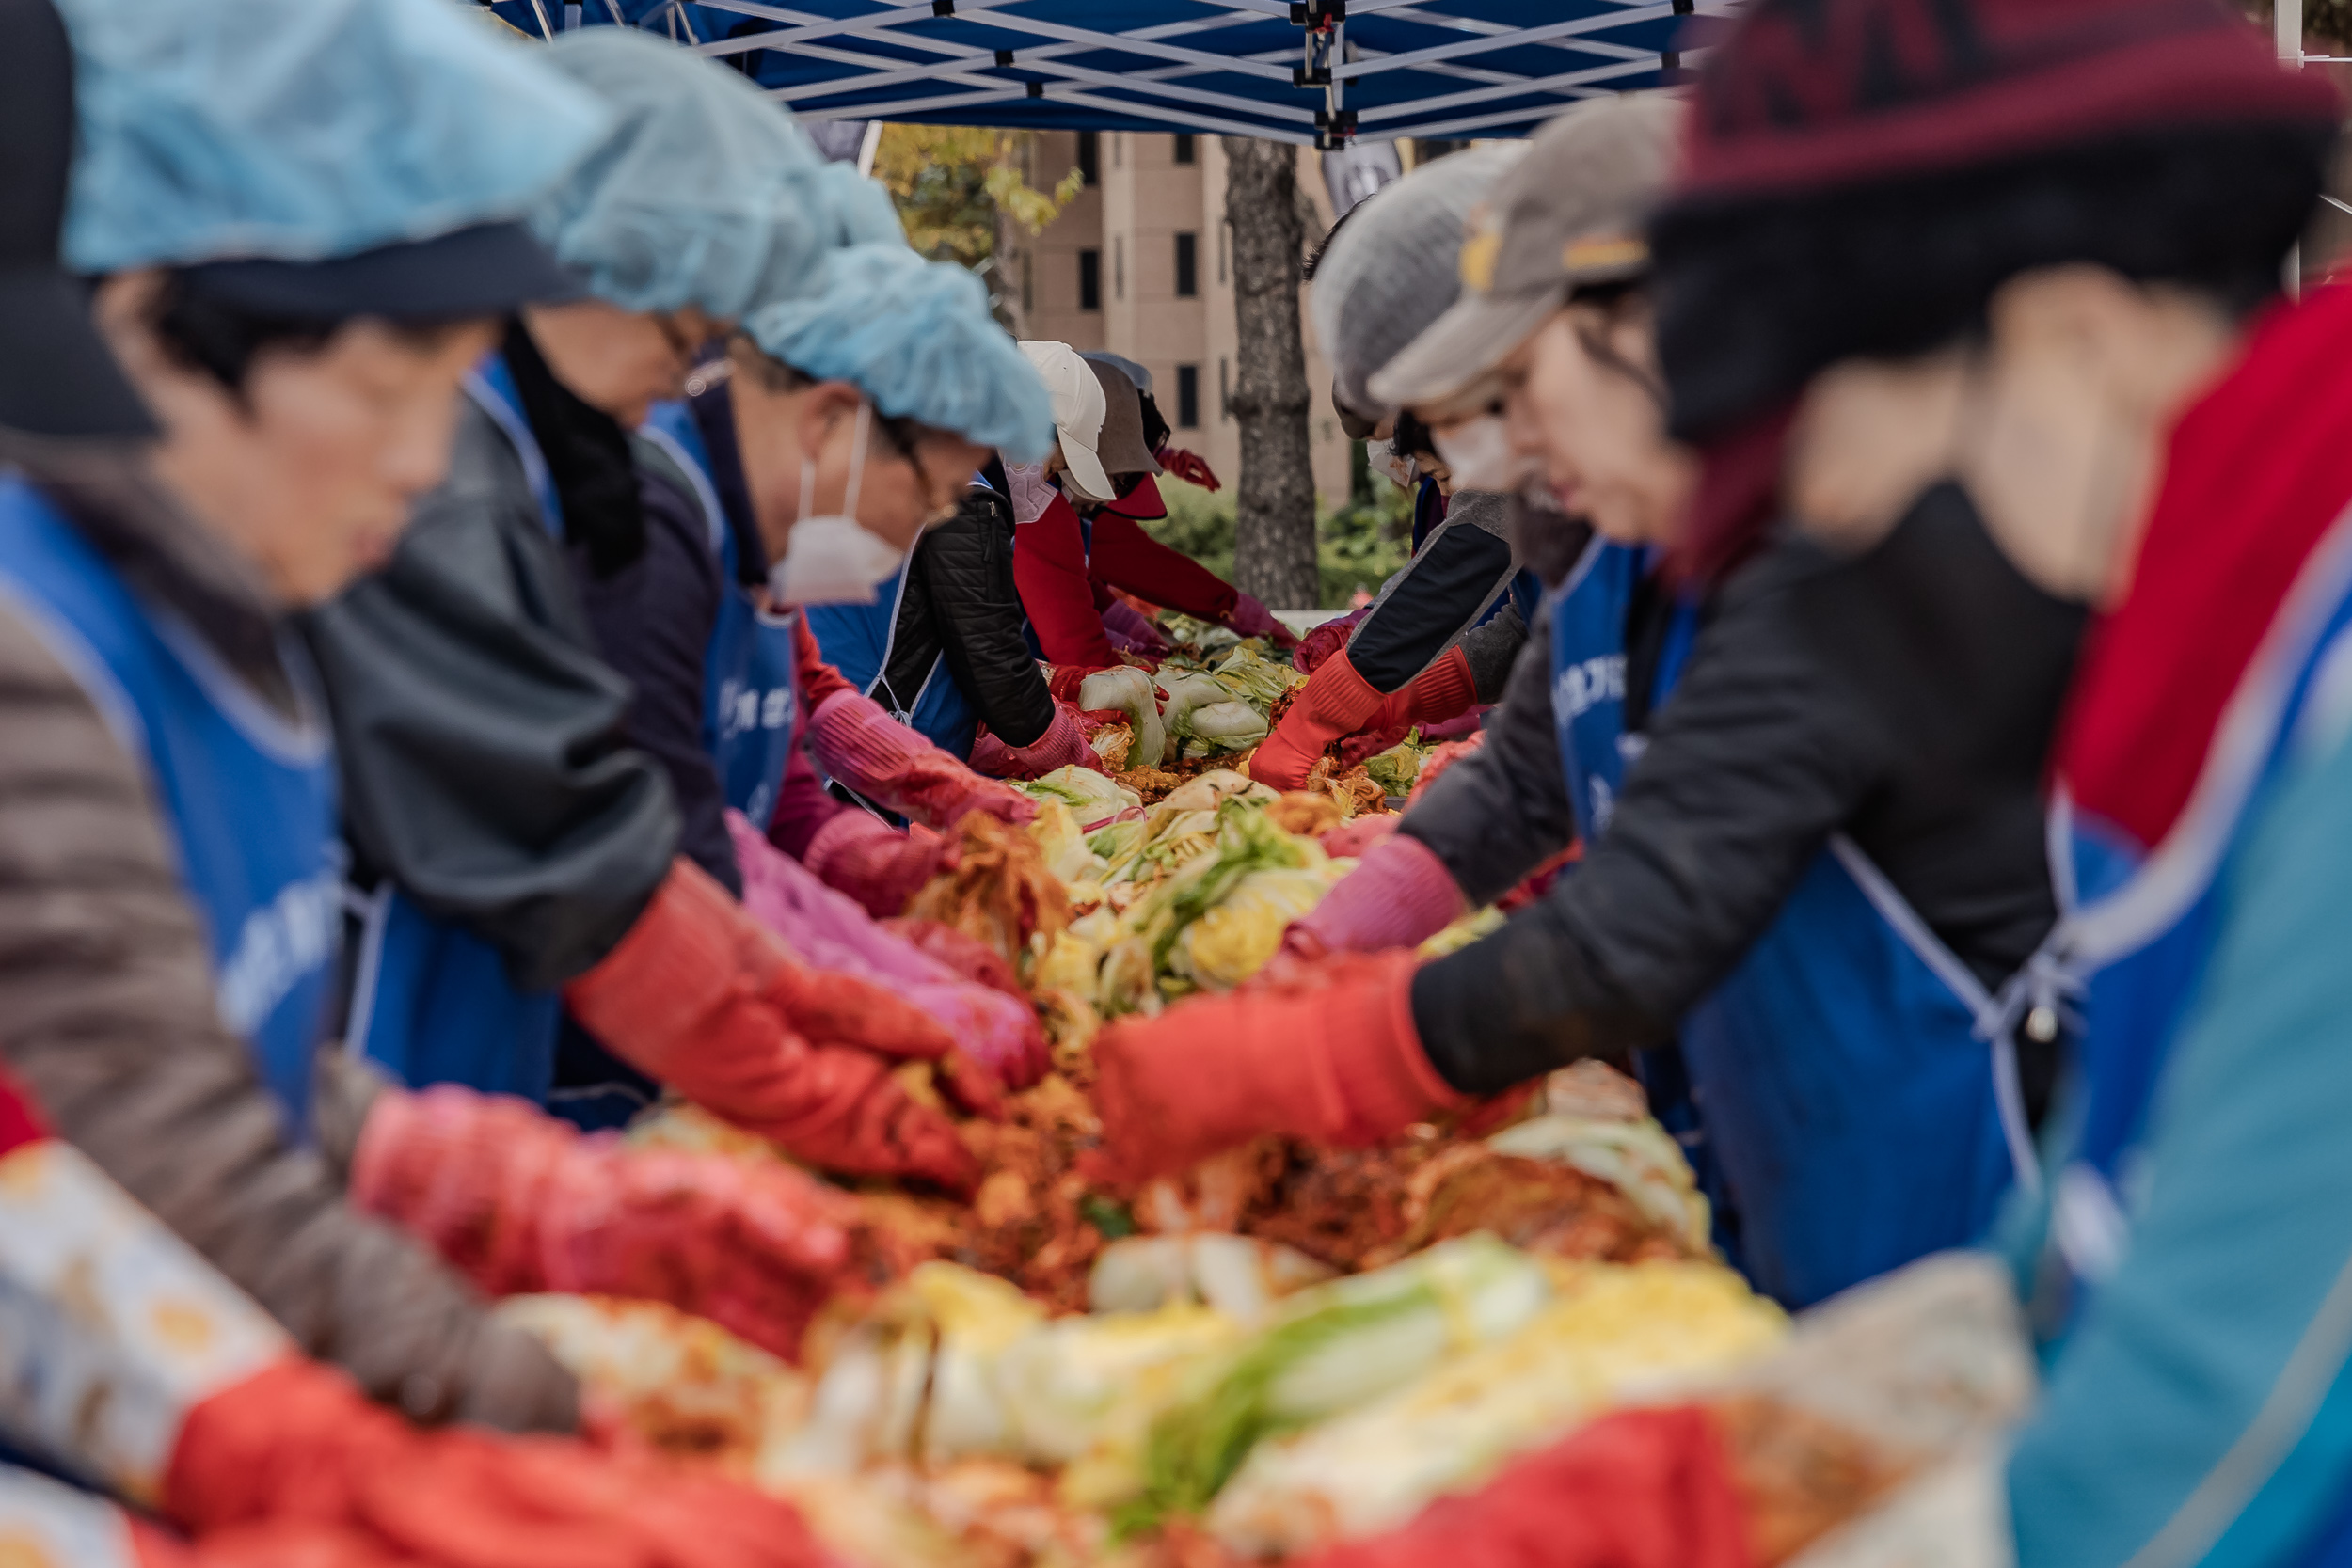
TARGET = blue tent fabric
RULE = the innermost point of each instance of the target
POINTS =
(1319, 72)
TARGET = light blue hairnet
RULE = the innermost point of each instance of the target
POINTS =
(708, 193)
(300, 129)
(862, 210)
(916, 337)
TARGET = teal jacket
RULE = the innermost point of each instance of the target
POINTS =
(2199, 1412)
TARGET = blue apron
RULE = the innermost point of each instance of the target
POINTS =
(249, 797)
(857, 641)
(1859, 1084)
(2137, 927)
(430, 1001)
(751, 708)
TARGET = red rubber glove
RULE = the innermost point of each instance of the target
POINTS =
(1322, 642)
(1251, 618)
(1335, 701)
(521, 1203)
(1331, 1057)
(702, 997)
(1636, 1489)
(1399, 896)
(860, 854)
(295, 1448)
(1190, 467)
(900, 770)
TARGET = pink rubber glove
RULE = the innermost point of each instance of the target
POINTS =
(1400, 895)
(1063, 744)
(1251, 618)
(859, 854)
(825, 928)
(1131, 632)
(898, 770)
(520, 1202)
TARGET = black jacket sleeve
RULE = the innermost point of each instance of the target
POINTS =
(483, 748)
(1503, 810)
(1905, 698)
(652, 622)
(1750, 766)
(1458, 572)
(966, 569)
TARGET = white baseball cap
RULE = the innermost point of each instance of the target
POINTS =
(1078, 410)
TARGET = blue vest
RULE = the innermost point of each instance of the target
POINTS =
(857, 640)
(1858, 1084)
(2137, 926)
(248, 798)
(751, 708)
(430, 1001)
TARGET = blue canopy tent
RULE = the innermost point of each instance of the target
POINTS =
(1320, 71)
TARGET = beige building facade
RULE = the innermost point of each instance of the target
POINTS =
(1140, 264)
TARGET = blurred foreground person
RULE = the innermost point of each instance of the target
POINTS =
(299, 264)
(516, 856)
(1442, 634)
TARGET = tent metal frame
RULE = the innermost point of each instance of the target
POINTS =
(1493, 78)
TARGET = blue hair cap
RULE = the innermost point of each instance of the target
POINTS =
(917, 338)
(708, 193)
(303, 130)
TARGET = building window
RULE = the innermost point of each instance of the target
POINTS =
(1224, 236)
(1118, 267)
(1119, 149)
(1185, 148)
(1224, 390)
(1090, 280)
(1028, 291)
(1187, 266)
(1091, 157)
(1188, 397)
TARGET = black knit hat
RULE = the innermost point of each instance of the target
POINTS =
(1861, 175)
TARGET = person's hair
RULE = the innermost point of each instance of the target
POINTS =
(1412, 437)
(1614, 303)
(1313, 262)
(204, 332)
(1156, 426)
(1758, 295)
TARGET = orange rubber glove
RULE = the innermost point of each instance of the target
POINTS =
(1335, 701)
(702, 997)
(1330, 1057)
(520, 1202)
(296, 1450)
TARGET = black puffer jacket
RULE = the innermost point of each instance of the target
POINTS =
(1906, 698)
(961, 606)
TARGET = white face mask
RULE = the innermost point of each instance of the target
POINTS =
(1386, 459)
(1479, 453)
(833, 560)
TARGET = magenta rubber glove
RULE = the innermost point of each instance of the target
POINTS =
(1062, 744)
(1400, 895)
(1251, 618)
(898, 770)
(1131, 632)
(827, 930)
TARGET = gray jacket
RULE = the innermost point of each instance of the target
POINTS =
(106, 982)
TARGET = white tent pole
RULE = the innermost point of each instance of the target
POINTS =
(867, 146)
(2287, 30)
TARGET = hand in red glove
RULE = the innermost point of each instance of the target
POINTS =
(1190, 467)
(1324, 640)
(900, 770)
(1637, 1489)
(1331, 1057)
(294, 1450)
(1335, 701)
(1131, 632)
(1062, 745)
(1251, 618)
(520, 1202)
(701, 996)
(860, 854)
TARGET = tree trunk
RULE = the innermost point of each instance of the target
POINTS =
(1274, 528)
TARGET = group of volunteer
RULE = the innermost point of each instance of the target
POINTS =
(1939, 517)
(408, 681)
